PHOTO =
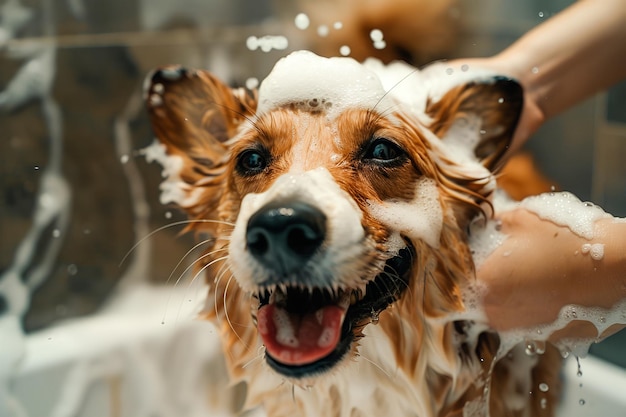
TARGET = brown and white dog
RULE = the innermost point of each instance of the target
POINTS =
(338, 199)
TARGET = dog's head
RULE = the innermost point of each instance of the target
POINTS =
(338, 191)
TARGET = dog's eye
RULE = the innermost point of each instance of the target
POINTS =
(382, 150)
(251, 162)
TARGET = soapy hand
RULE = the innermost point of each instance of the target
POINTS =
(542, 267)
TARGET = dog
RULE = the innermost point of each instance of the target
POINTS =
(337, 200)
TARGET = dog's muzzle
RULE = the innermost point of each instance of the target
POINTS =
(306, 321)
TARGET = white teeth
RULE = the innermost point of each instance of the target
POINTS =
(345, 300)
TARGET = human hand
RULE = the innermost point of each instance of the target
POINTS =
(541, 267)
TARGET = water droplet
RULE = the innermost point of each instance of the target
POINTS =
(338, 25)
(449, 71)
(72, 269)
(252, 83)
(464, 67)
(376, 35)
(540, 14)
(535, 347)
(380, 45)
(543, 403)
(56, 233)
(501, 100)
(543, 387)
(534, 70)
(168, 214)
(302, 21)
(124, 159)
(252, 43)
(581, 401)
(322, 31)
(36, 167)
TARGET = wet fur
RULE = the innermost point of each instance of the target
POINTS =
(416, 360)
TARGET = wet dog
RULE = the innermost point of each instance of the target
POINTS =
(338, 201)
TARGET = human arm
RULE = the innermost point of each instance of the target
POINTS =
(561, 62)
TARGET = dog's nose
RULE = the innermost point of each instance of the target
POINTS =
(284, 236)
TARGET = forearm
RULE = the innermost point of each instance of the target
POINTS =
(572, 56)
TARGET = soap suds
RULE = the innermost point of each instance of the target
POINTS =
(565, 209)
(267, 43)
(595, 250)
(419, 219)
(302, 21)
(173, 188)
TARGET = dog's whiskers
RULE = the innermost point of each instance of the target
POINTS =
(377, 366)
(206, 255)
(167, 226)
(230, 323)
(258, 358)
(185, 256)
(193, 279)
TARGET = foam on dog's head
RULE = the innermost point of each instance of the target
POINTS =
(340, 83)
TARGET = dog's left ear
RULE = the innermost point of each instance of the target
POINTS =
(193, 113)
(490, 107)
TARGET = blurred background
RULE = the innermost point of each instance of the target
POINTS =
(77, 196)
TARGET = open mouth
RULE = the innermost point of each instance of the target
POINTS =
(308, 331)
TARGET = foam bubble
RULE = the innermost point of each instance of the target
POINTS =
(252, 83)
(376, 35)
(323, 31)
(267, 43)
(345, 50)
(302, 21)
(380, 45)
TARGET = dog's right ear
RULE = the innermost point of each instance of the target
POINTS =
(497, 104)
(193, 113)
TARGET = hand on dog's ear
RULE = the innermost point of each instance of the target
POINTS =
(193, 113)
(497, 102)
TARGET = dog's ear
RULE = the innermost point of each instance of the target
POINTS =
(193, 113)
(483, 113)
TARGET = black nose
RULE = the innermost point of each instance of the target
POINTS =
(284, 236)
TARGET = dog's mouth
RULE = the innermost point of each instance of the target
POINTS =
(307, 331)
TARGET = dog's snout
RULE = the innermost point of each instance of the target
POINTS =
(283, 237)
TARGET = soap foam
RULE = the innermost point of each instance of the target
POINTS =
(419, 219)
(565, 209)
(173, 188)
(342, 82)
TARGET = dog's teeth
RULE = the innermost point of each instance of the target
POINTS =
(278, 295)
(345, 300)
(353, 298)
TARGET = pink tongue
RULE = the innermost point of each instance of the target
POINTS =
(298, 340)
